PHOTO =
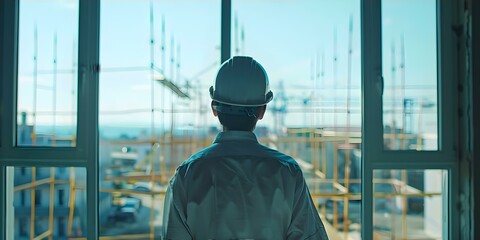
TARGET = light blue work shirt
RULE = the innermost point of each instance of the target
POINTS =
(240, 189)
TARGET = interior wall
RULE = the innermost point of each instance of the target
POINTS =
(475, 146)
(469, 117)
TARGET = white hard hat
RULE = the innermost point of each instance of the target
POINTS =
(241, 81)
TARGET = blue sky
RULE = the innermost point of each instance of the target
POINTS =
(284, 36)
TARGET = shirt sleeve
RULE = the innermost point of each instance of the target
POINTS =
(174, 219)
(305, 223)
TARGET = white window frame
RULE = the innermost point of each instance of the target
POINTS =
(373, 152)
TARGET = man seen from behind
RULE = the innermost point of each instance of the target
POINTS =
(237, 188)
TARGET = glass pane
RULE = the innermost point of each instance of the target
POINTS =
(409, 47)
(49, 202)
(153, 104)
(47, 73)
(311, 52)
(409, 204)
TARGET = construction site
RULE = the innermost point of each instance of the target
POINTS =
(136, 163)
(134, 175)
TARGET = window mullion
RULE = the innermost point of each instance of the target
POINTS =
(447, 116)
(42, 162)
(88, 89)
(452, 200)
(414, 157)
(475, 80)
(372, 89)
(3, 196)
(9, 30)
(447, 101)
(8, 48)
(226, 26)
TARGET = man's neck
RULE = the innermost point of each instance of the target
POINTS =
(224, 129)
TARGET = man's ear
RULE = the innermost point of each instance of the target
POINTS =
(215, 113)
(261, 111)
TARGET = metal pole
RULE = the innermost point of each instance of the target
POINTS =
(178, 65)
(347, 133)
(402, 89)
(152, 73)
(322, 85)
(74, 137)
(335, 60)
(152, 196)
(35, 67)
(237, 49)
(172, 105)
(393, 130)
(164, 64)
(349, 73)
(32, 204)
(335, 181)
(71, 201)
(54, 89)
(242, 39)
(52, 198)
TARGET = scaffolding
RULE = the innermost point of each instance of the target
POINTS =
(326, 156)
(309, 146)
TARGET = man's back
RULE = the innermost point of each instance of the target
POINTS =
(239, 189)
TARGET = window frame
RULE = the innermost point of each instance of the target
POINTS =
(85, 154)
(475, 67)
(373, 152)
(14, 155)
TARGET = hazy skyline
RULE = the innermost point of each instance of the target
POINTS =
(283, 36)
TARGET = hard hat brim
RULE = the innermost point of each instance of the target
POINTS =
(268, 98)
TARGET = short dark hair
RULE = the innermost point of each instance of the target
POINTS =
(236, 122)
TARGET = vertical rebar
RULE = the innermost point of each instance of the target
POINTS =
(324, 168)
(172, 106)
(335, 181)
(152, 75)
(237, 50)
(54, 89)
(347, 132)
(35, 73)
(32, 203)
(172, 58)
(151, 156)
(419, 130)
(349, 73)
(178, 77)
(164, 64)
(322, 85)
(315, 89)
(393, 130)
(402, 89)
(242, 39)
(335, 60)
(404, 203)
(73, 105)
(71, 201)
(52, 197)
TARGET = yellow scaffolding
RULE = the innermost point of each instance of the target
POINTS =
(307, 145)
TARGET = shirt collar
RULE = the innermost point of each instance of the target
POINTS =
(235, 136)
